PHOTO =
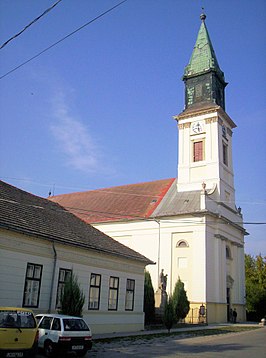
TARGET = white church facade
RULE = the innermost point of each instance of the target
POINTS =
(189, 225)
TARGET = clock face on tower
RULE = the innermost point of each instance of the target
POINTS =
(197, 127)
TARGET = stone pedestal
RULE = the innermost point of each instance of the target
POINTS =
(160, 301)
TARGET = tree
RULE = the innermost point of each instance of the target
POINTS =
(255, 270)
(149, 302)
(180, 301)
(169, 314)
(73, 298)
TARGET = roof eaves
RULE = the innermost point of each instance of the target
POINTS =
(73, 243)
(194, 212)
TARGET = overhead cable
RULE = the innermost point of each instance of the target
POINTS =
(113, 190)
(31, 23)
(121, 215)
(62, 39)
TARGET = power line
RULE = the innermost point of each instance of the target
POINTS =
(62, 39)
(90, 212)
(111, 190)
(31, 23)
(118, 215)
(106, 190)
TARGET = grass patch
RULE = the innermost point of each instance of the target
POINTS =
(184, 334)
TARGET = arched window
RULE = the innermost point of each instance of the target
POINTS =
(182, 243)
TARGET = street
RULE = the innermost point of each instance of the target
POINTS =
(238, 345)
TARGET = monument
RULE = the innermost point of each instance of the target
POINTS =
(161, 297)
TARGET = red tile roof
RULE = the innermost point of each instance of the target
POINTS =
(127, 202)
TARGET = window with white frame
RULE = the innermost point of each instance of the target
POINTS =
(64, 275)
(32, 285)
(130, 291)
(113, 293)
(95, 290)
(198, 151)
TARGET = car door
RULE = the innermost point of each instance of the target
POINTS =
(44, 329)
(55, 330)
(17, 329)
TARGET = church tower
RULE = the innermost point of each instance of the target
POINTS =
(205, 129)
(205, 168)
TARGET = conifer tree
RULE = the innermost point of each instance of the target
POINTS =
(169, 314)
(180, 301)
(73, 298)
(149, 302)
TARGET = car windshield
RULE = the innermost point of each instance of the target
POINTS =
(16, 319)
(75, 324)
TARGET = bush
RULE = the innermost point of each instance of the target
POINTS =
(169, 314)
(72, 299)
(180, 301)
(149, 302)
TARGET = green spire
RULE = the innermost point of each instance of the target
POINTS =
(203, 58)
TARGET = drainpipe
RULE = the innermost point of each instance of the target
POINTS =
(52, 283)
(159, 249)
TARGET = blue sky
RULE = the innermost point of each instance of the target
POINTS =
(96, 110)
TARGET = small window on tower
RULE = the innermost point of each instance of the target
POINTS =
(198, 151)
(225, 153)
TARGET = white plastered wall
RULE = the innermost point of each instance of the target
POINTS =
(17, 250)
(157, 241)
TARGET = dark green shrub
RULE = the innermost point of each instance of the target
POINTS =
(72, 299)
(169, 314)
(149, 302)
(180, 301)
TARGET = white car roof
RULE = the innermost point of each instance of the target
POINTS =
(57, 315)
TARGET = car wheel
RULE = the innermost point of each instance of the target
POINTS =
(81, 353)
(49, 349)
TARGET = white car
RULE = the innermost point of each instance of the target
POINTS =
(59, 334)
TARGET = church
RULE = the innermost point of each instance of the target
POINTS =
(190, 225)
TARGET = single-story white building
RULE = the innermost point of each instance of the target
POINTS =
(41, 243)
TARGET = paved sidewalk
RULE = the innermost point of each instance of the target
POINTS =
(164, 330)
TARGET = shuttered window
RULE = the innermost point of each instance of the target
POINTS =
(198, 151)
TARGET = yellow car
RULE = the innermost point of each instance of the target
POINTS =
(18, 332)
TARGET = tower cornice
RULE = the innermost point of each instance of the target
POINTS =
(190, 113)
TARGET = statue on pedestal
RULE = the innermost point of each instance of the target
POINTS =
(163, 281)
(161, 296)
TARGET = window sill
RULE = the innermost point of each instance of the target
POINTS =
(198, 164)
